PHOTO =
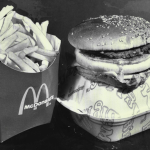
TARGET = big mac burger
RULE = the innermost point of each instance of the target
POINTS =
(114, 50)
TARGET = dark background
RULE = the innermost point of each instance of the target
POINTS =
(62, 132)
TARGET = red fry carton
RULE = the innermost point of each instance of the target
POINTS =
(27, 100)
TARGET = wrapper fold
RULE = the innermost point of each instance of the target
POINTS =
(102, 102)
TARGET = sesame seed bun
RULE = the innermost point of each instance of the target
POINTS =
(110, 33)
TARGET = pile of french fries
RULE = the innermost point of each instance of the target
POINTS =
(25, 46)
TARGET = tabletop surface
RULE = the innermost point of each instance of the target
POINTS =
(62, 133)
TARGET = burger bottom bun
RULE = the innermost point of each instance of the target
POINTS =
(105, 66)
(129, 83)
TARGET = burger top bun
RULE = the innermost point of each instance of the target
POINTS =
(110, 33)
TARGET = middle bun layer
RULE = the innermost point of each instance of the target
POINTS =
(100, 65)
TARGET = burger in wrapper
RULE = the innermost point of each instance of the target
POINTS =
(107, 87)
(113, 50)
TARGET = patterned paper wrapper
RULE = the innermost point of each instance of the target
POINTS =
(104, 111)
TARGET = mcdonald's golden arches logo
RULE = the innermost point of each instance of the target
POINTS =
(35, 99)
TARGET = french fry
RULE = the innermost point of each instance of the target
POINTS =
(44, 26)
(9, 32)
(37, 39)
(31, 64)
(6, 60)
(27, 51)
(20, 39)
(32, 41)
(22, 29)
(10, 25)
(1, 23)
(54, 41)
(34, 36)
(8, 41)
(22, 36)
(5, 10)
(44, 65)
(20, 63)
(22, 45)
(27, 27)
(18, 16)
(9, 62)
(37, 64)
(2, 52)
(46, 44)
(38, 25)
(41, 57)
(13, 44)
(6, 23)
(12, 65)
(2, 57)
(47, 52)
